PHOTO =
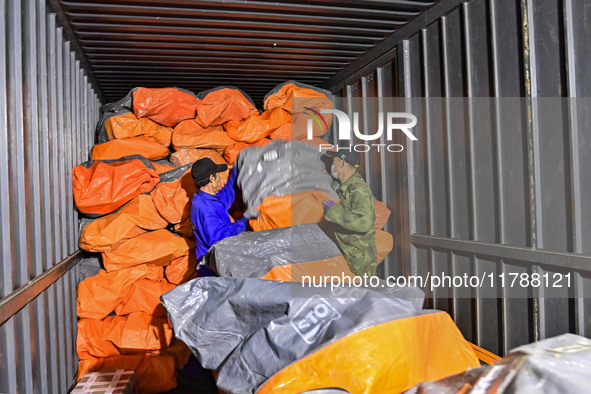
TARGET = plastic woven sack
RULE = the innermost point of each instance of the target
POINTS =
(157, 248)
(155, 373)
(99, 295)
(128, 125)
(134, 218)
(100, 187)
(116, 335)
(147, 147)
(172, 196)
(181, 270)
(231, 152)
(166, 106)
(189, 134)
(144, 296)
(257, 126)
(223, 104)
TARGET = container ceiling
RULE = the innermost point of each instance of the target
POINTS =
(253, 45)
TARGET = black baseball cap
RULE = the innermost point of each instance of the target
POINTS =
(203, 168)
(351, 157)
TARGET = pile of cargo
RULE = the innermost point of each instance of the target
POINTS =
(134, 196)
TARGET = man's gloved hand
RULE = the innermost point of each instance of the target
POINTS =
(327, 204)
(243, 219)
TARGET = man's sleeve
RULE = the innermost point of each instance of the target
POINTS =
(360, 218)
(215, 229)
(228, 193)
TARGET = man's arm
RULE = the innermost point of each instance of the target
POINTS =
(228, 193)
(214, 228)
(360, 218)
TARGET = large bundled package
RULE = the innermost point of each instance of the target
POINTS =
(134, 218)
(144, 296)
(185, 156)
(148, 147)
(303, 102)
(172, 196)
(280, 168)
(118, 335)
(555, 365)
(182, 270)
(159, 247)
(289, 254)
(128, 125)
(101, 294)
(107, 111)
(163, 166)
(190, 134)
(263, 338)
(155, 373)
(101, 187)
(223, 104)
(166, 106)
(232, 151)
(257, 126)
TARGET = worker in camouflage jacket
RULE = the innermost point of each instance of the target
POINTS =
(354, 216)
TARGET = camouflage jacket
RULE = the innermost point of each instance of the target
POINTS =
(355, 217)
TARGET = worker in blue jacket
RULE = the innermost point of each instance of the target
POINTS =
(210, 205)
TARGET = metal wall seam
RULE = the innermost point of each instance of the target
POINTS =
(72, 141)
(365, 126)
(67, 113)
(77, 130)
(384, 197)
(428, 141)
(61, 146)
(53, 353)
(5, 228)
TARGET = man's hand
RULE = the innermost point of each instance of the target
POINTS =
(327, 204)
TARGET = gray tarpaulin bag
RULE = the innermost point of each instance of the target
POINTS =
(250, 329)
(253, 254)
(280, 168)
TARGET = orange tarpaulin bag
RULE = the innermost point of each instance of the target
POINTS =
(115, 335)
(382, 214)
(162, 166)
(283, 132)
(128, 125)
(144, 296)
(181, 270)
(221, 105)
(99, 295)
(185, 228)
(384, 244)
(304, 95)
(102, 187)
(390, 357)
(291, 210)
(179, 351)
(232, 151)
(172, 196)
(257, 126)
(189, 134)
(185, 156)
(299, 124)
(155, 373)
(157, 248)
(147, 147)
(134, 218)
(314, 271)
(166, 106)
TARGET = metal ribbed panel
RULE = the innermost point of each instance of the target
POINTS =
(44, 98)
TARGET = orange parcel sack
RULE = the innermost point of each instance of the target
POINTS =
(116, 335)
(382, 214)
(283, 132)
(163, 166)
(128, 125)
(299, 124)
(395, 356)
(294, 97)
(384, 244)
(147, 147)
(134, 218)
(223, 104)
(100, 187)
(157, 248)
(185, 156)
(232, 151)
(99, 295)
(181, 270)
(190, 134)
(155, 373)
(185, 228)
(172, 196)
(257, 126)
(291, 210)
(166, 106)
(314, 271)
(144, 296)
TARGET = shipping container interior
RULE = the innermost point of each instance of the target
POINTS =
(475, 198)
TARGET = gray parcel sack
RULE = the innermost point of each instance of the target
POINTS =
(250, 329)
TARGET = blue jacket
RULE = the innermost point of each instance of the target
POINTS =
(210, 218)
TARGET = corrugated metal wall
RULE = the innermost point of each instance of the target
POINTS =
(47, 115)
(492, 197)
